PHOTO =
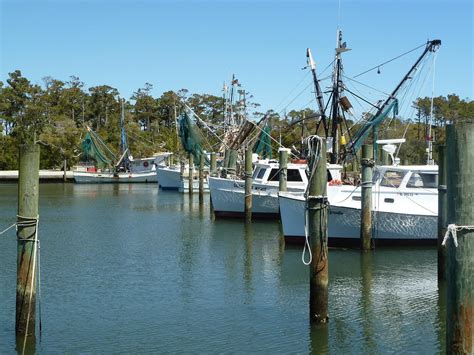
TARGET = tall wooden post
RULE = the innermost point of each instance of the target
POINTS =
(28, 193)
(442, 208)
(213, 167)
(201, 178)
(318, 236)
(460, 255)
(233, 157)
(366, 198)
(248, 184)
(283, 176)
(191, 174)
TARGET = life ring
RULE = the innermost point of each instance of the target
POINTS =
(145, 164)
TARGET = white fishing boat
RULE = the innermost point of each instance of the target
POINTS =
(141, 170)
(228, 195)
(405, 208)
(125, 170)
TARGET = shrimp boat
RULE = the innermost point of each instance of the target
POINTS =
(126, 170)
(228, 195)
(405, 208)
(404, 198)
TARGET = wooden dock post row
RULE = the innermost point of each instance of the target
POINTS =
(460, 245)
(442, 208)
(283, 176)
(367, 163)
(248, 185)
(28, 193)
(318, 237)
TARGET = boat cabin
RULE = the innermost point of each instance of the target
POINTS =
(410, 176)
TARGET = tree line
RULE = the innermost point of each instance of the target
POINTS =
(56, 114)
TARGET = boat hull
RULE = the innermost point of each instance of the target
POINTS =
(104, 178)
(228, 199)
(344, 225)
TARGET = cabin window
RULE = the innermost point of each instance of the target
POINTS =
(255, 173)
(261, 173)
(274, 175)
(392, 178)
(294, 175)
(423, 180)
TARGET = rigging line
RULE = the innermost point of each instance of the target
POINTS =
(390, 60)
(293, 90)
(294, 99)
(368, 86)
(360, 97)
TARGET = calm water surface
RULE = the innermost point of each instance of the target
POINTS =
(130, 269)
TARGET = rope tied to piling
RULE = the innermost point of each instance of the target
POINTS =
(25, 222)
(314, 147)
(452, 230)
(367, 183)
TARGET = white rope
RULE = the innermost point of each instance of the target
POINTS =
(314, 147)
(6, 230)
(452, 230)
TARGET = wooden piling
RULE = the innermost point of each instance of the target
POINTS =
(318, 236)
(201, 179)
(283, 176)
(213, 167)
(460, 268)
(442, 209)
(367, 163)
(233, 157)
(65, 170)
(248, 184)
(191, 174)
(28, 193)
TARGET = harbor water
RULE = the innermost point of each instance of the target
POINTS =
(131, 269)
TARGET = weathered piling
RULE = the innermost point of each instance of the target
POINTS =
(248, 184)
(318, 236)
(28, 192)
(213, 167)
(233, 157)
(460, 243)
(191, 174)
(283, 176)
(201, 179)
(367, 163)
(442, 209)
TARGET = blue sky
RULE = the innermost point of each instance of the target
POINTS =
(199, 44)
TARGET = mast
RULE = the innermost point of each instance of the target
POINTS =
(123, 133)
(336, 94)
(317, 89)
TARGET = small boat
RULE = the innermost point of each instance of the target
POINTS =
(126, 170)
(141, 170)
(405, 208)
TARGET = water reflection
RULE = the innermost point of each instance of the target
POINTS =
(26, 345)
(318, 339)
(366, 267)
(248, 256)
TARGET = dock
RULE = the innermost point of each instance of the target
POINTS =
(44, 176)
